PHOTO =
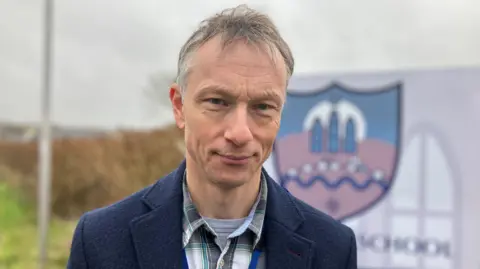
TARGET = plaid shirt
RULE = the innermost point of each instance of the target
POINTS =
(199, 238)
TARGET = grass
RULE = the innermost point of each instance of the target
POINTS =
(18, 234)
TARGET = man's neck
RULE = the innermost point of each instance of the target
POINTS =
(212, 201)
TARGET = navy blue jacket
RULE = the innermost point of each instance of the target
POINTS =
(145, 231)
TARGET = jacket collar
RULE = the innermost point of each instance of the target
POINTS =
(157, 235)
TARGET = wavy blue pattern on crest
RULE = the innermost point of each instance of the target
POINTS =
(335, 184)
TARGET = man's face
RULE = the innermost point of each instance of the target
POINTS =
(231, 110)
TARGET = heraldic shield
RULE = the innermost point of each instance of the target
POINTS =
(338, 148)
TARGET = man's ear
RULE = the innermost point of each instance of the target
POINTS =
(177, 105)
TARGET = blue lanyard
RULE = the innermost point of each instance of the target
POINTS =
(253, 261)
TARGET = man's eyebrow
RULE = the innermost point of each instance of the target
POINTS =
(215, 89)
(269, 94)
(263, 95)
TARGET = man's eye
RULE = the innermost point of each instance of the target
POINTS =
(216, 101)
(263, 106)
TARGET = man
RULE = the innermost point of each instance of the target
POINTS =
(220, 208)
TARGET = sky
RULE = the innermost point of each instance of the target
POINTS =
(105, 51)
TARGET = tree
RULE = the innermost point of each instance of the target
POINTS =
(157, 102)
(157, 88)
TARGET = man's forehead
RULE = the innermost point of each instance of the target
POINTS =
(239, 53)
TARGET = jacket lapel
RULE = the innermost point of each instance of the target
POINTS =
(284, 247)
(157, 235)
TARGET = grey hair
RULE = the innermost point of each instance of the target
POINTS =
(231, 24)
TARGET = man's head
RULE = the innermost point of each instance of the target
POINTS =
(230, 91)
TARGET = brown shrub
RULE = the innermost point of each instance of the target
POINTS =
(92, 172)
(19, 156)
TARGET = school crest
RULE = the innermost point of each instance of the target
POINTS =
(337, 148)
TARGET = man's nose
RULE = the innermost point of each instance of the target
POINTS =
(238, 130)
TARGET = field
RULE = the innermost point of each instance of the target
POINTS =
(18, 234)
(87, 173)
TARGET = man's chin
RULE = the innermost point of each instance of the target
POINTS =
(230, 180)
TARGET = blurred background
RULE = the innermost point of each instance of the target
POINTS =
(111, 123)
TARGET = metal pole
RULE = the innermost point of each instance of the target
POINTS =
(45, 144)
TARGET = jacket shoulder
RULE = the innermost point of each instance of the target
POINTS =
(331, 238)
(102, 228)
(117, 214)
(129, 208)
(319, 226)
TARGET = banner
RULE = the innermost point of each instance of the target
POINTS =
(392, 155)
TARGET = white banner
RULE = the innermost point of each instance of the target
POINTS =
(393, 156)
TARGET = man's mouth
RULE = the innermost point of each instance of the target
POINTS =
(234, 159)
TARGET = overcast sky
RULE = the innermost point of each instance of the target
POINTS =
(106, 49)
